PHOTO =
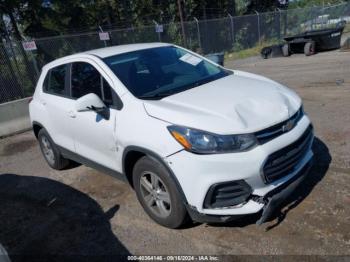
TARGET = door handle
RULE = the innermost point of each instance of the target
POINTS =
(72, 114)
(43, 102)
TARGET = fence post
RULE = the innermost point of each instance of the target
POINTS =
(182, 23)
(232, 28)
(258, 26)
(36, 68)
(156, 24)
(198, 33)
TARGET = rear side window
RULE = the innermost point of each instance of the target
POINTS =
(55, 80)
(86, 79)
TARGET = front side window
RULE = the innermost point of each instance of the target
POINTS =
(159, 72)
(86, 79)
(55, 80)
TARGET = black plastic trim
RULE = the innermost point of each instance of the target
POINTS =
(212, 197)
(38, 124)
(301, 145)
(117, 101)
(204, 218)
(87, 162)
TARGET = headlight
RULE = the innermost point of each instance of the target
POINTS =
(202, 142)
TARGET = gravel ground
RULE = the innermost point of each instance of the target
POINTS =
(81, 211)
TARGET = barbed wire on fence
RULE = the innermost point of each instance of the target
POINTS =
(20, 69)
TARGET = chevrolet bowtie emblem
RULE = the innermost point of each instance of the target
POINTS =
(288, 126)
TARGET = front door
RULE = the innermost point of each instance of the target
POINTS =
(94, 134)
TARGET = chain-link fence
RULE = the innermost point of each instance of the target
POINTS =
(20, 68)
(17, 73)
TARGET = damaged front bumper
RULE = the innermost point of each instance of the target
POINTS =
(273, 201)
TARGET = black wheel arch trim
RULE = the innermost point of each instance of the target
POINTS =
(36, 123)
(159, 159)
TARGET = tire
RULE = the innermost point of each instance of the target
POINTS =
(158, 194)
(266, 52)
(286, 50)
(50, 151)
(309, 48)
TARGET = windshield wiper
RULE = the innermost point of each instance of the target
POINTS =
(155, 96)
(160, 95)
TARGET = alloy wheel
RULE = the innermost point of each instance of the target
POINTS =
(47, 150)
(155, 194)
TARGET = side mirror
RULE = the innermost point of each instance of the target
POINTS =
(91, 102)
(216, 58)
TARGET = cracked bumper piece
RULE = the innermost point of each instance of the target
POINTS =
(276, 198)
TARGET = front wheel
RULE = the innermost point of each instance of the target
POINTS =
(158, 194)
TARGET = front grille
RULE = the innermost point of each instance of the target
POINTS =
(272, 132)
(227, 194)
(284, 161)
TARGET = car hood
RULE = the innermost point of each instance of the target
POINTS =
(236, 104)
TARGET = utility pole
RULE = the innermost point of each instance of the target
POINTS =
(182, 22)
(232, 29)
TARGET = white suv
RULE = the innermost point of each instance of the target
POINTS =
(192, 138)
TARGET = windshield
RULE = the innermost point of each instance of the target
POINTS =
(159, 72)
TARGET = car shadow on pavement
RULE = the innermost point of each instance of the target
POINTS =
(322, 160)
(41, 217)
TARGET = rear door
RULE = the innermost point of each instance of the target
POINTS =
(94, 136)
(56, 104)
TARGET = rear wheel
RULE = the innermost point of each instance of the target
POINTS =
(158, 194)
(51, 152)
(309, 48)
